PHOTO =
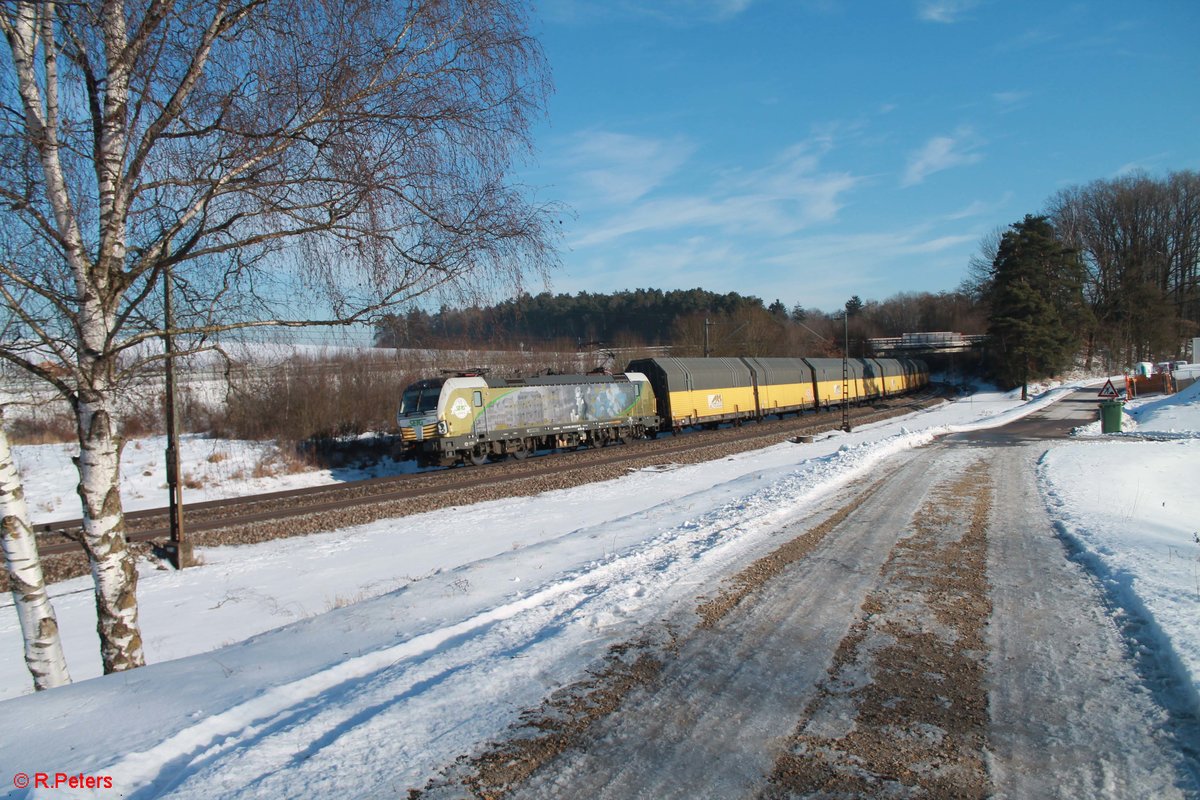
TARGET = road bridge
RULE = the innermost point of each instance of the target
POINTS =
(926, 344)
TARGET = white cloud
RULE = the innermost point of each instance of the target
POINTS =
(679, 264)
(941, 243)
(794, 178)
(618, 168)
(944, 11)
(867, 247)
(1030, 39)
(1144, 164)
(1010, 98)
(980, 208)
(770, 229)
(728, 8)
(789, 194)
(673, 12)
(941, 153)
(823, 270)
(652, 215)
(694, 10)
(817, 267)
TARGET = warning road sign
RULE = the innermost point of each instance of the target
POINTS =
(1109, 390)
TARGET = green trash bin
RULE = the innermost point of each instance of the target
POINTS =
(1110, 416)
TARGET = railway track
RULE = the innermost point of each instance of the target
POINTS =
(310, 510)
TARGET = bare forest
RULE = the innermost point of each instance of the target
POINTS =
(1139, 239)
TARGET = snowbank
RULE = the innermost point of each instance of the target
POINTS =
(1130, 507)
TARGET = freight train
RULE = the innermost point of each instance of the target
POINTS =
(472, 418)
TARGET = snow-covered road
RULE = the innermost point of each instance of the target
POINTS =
(851, 672)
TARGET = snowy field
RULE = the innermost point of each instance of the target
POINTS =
(424, 616)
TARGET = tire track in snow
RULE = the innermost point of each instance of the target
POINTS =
(728, 692)
(903, 710)
(562, 720)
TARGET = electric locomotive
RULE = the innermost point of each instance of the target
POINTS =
(472, 418)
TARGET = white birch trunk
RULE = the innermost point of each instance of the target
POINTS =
(113, 570)
(39, 628)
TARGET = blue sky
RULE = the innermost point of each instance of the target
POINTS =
(811, 151)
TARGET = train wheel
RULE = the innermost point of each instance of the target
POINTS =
(519, 449)
(478, 457)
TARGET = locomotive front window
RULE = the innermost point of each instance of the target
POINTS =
(420, 399)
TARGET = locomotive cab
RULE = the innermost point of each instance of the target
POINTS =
(418, 414)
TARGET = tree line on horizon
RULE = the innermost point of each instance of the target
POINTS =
(736, 324)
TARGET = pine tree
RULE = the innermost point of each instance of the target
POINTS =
(1038, 315)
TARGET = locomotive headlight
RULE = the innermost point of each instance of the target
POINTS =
(442, 427)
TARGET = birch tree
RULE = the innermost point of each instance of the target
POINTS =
(291, 162)
(39, 626)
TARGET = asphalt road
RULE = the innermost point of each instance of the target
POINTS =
(1053, 422)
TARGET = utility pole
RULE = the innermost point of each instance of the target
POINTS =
(707, 324)
(179, 550)
(846, 371)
